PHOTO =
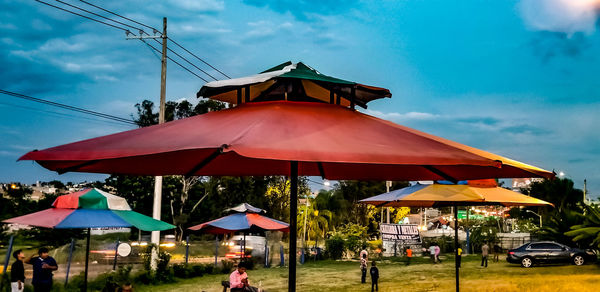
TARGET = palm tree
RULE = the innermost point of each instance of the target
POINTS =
(317, 222)
(589, 231)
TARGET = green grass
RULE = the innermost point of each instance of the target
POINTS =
(420, 276)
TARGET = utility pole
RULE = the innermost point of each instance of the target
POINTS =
(156, 206)
(388, 184)
(585, 191)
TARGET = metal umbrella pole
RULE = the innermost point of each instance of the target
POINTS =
(87, 259)
(456, 245)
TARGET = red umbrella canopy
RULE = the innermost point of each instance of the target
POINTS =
(262, 138)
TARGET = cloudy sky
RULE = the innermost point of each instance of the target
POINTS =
(518, 78)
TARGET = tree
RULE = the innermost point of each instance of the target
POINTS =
(317, 222)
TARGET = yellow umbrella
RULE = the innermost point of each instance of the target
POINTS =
(478, 192)
(474, 193)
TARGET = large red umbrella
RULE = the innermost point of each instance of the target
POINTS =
(284, 138)
(263, 138)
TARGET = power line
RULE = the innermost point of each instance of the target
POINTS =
(178, 55)
(177, 44)
(68, 107)
(174, 61)
(73, 12)
(59, 114)
(157, 31)
(116, 14)
(96, 14)
(141, 31)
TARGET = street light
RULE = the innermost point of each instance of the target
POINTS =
(536, 214)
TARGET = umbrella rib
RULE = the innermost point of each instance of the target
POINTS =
(75, 167)
(321, 169)
(206, 161)
(440, 173)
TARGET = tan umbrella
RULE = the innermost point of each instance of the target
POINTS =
(477, 192)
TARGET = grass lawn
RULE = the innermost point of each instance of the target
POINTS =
(420, 276)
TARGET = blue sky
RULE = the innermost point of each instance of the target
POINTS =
(518, 78)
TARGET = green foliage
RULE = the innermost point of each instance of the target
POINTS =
(226, 266)
(588, 233)
(559, 192)
(317, 221)
(558, 223)
(483, 231)
(335, 247)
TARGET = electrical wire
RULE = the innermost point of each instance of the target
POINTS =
(177, 44)
(68, 107)
(157, 31)
(96, 14)
(116, 14)
(59, 114)
(178, 55)
(141, 31)
(73, 12)
(157, 50)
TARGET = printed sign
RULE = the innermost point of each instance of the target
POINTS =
(404, 233)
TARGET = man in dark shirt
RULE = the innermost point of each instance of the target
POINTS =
(374, 277)
(43, 265)
(17, 272)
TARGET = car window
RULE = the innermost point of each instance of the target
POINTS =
(535, 246)
(545, 245)
(552, 246)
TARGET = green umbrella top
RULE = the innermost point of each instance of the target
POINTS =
(295, 82)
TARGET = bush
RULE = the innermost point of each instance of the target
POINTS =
(226, 267)
(335, 247)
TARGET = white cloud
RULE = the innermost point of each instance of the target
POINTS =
(567, 16)
(200, 5)
(402, 116)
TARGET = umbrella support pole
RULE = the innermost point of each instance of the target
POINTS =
(87, 259)
(6, 261)
(216, 249)
(456, 246)
(69, 261)
(116, 254)
(293, 223)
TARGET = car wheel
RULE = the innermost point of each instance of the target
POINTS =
(578, 260)
(526, 262)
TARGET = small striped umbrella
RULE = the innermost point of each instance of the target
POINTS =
(86, 209)
(247, 219)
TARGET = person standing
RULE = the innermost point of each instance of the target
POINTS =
(374, 276)
(432, 253)
(437, 254)
(497, 251)
(43, 265)
(364, 252)
(485, 249)
(17, 272)
(409, 254)
(363, 269)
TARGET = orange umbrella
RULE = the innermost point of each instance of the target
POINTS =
(478, 192)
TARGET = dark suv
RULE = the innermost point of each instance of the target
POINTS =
(549, 252)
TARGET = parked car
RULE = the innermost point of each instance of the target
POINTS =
(543, 252)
